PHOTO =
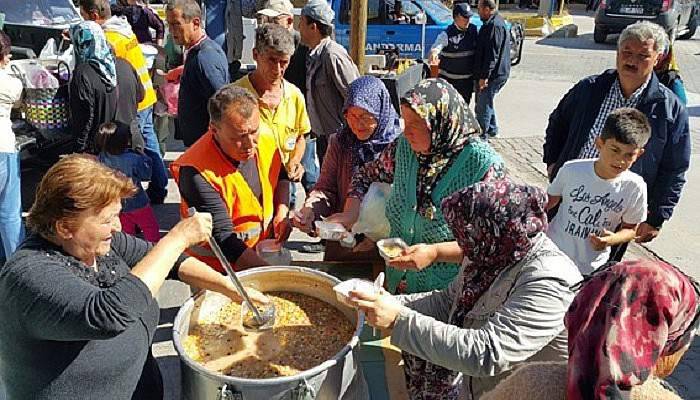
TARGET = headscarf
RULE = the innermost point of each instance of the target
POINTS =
(624, 318)
(450, 122)
(90, 46)
(370, 94)
(494, 223)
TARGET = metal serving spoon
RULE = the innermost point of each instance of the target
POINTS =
(261, 320)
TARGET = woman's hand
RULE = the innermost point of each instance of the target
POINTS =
(193, 230)
(416, 257)
(304, 221)
(381, 309)
(255, 295)
(347, 219)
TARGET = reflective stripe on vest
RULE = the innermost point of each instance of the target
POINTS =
(252, 234)
(448, 75)
(458, 54)
(250, 215)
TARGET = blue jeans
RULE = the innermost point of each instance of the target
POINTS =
(11, 228)
(159, 179)
(485, 113)
(309, 161)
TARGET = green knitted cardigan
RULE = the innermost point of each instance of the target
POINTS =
(401, 209)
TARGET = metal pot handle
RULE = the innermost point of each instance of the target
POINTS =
(303, 391)
(228, 394)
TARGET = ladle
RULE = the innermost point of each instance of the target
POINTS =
(261, 321)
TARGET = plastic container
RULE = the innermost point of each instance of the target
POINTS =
(330, 230)
(273, 252)
(343, 289)
(391, 248)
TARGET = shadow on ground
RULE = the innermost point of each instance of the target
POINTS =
(581, 42)
(694, 111)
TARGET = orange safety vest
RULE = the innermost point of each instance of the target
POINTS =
(127, 47)
(250, 218)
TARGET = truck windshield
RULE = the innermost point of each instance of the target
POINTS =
(436, 10)
(39, 12)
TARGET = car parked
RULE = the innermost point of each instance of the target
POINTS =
(29, 24)
(678, 17)
(384, 31)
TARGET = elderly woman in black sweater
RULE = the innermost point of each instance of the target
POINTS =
(77, 299)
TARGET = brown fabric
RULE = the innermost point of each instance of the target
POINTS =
(547, 381)
(330, 192)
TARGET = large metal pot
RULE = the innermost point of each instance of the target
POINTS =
(337, 378)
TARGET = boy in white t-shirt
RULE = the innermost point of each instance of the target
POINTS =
(602, 202)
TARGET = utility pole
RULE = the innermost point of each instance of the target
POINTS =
(358, 32)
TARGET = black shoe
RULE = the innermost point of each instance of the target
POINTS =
(313, 248)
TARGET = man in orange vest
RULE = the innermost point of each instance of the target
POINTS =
(120, 36)
(237, 176)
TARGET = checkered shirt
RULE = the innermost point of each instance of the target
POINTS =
(612, 102)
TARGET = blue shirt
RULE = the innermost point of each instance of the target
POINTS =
(135, 166)
(206, 70)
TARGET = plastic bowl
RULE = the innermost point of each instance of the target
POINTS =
(343, 289)
(330, 230)
(391, 248)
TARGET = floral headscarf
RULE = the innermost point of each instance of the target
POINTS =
(370, 94)
(451, 123)
(493, 222)
(623, 319)
(90, 46)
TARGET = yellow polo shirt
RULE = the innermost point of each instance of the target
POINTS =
(286, 122)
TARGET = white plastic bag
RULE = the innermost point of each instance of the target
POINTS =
(51, 52)
(372, 221)
(39, 77)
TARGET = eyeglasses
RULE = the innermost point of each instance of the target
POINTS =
(364, 120)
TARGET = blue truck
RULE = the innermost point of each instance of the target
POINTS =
(383, 32)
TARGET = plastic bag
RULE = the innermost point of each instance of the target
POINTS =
(51, 52)
(39, 77)
(372, 221)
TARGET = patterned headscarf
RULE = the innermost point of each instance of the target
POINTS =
(493, 222)
(451, 123)
(624, 319)
(90, 46)
(370, 94)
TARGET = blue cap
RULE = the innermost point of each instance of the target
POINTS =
(320, 11)
(462, 9)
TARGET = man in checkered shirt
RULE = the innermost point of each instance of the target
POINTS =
(578, 120)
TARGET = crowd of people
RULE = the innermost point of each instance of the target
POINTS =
(502, 283)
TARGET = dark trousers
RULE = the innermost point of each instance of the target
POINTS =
(617, 252)
(465, 87)
(150, 386)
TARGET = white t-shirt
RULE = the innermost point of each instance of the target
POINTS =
(10, 92)
(591, 204)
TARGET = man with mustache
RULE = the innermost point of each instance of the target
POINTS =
(236, 175)
(577, 122)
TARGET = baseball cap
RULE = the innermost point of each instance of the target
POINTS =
(463, 9)
(319, 10)
(275, 8)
